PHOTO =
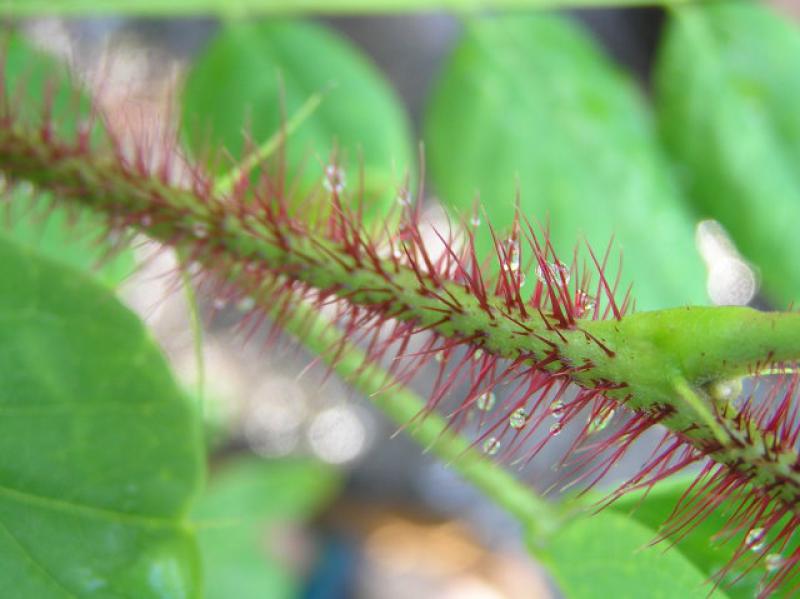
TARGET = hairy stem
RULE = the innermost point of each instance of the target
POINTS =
(661, 363)
(403, 407)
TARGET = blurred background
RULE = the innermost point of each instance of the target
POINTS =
(311, 495)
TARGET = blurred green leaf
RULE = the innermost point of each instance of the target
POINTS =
(699, 545)
(103, 453)
(235, 87)
(607, 555)
(728, 87)
(36, 82)
(530, 103)
(240, 515)
(73, 237)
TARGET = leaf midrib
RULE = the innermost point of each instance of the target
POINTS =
(89, 511)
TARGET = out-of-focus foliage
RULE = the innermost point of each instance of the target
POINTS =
(699, 545)
(247, 7)
(239, 85)
(530, 105)
(248, 509)
(607, 556)
(72, 238)
(103, 452)
(728, 87)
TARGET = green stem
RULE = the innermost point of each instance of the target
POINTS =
(701, 409)
(226, 183)
(403, 406)
(197, 331)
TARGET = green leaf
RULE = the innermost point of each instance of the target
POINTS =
(103, 453)
(35, 81)
(236, 86)
(700, 546)
(728, 87)
(73, 237)
(607, 555)
(75, 240)
(243, 509)
(530, 103)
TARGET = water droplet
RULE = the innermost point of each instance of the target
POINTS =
(475, 221)
(511, 255)
(557, 408)
(556, 270)
(774, 561)
(726, 390)
(518, 418)
(478, 354)
(246, 304)
(584, 303)
(512, 261)
(335, 179)
(220, 303)
(398, 253)
(600, 422)
(404, 197)
(25, 188)
(556, 428)
(491, 446)
(439, 356)
(200, 230)
(521, 280)
(755, 539)
(486, 401)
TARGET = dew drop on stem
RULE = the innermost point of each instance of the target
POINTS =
(774, 561)
(486, 401)
(200, 231)
(335, 180)
(246, 304)
(755, 539)
(557, 408)
(518, 418)
(404, 197)
(555, 270)
(491, 446)
(600, 422)
(584, 303)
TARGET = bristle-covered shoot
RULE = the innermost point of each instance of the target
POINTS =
(553, 332)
